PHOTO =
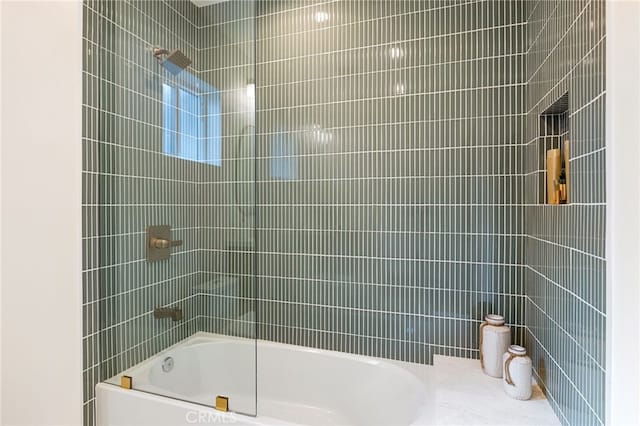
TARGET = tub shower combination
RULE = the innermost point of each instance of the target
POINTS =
(295, 385)
(301, 211)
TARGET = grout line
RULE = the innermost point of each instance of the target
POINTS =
(193, 24)
(141, 288)
(588, 154)
(160, 24)
(130, 262)
(533, 11)
(331, 179)
(588, 104)
(567, 247)
(390, 70)
(542, 29)
(390, 44)
(586, 352)
(357, 283)
(504, 146)
(370, 20)
(129, 319)
(549, 394)
(385, 97)
(356, 309)
(141, 233)
(343, 256)
(298, 205)
(553, 49)
(182, 324)
(396, 15)
(341, 333)
(318, 230)
(151, 178)
(359, 309)
(574, 295)
(565, 375)
(305, 131)
(595, 46)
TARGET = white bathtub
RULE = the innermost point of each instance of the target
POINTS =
(295, 385)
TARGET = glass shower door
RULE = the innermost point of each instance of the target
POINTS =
(169, 89)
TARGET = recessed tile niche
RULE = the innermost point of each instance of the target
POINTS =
(554, 153)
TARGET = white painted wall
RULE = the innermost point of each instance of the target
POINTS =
(40, 297)
(1, 214)
(623, 212)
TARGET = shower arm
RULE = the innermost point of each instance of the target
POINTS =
(157, 52)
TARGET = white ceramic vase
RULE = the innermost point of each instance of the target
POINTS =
(494, 342)
(517, 373)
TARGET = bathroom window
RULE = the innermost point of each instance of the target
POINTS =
(284, 163)
(192, 124)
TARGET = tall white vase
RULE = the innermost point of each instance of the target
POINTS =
(494, 342)
(517, 373)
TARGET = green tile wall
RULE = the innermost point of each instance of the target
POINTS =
(129, 184)
(389, 185)
(565, 245)
(389, 199)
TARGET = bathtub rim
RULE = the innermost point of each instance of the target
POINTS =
(204, 338)
(419, 374)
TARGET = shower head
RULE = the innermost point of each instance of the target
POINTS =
(174, 62)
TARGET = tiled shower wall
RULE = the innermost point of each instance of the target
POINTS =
(129, 184)
(227, 61)
(394, 208)
(565, 245)
(389, 182)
